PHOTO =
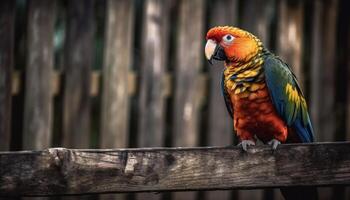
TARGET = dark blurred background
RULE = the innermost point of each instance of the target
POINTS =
(132, 73)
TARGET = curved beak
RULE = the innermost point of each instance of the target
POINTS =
(210, 49)
(214, 51)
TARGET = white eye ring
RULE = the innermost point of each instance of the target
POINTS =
(228, 38)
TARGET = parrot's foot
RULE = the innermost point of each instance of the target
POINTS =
(274, 143)
(246, 143)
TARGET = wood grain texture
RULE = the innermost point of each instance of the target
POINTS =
(78, 63)
(115, 99)
(316, 65)
(7, 25)
(290, 35)
(152, 75)
(220, 127)
(189, 61)
(347, 190)
(323, 68)
(257, 17)
(65, 171)
(348, 86)
(38, 96)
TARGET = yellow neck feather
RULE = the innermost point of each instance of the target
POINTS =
(241, 78)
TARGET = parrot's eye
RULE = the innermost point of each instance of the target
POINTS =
(228, 38)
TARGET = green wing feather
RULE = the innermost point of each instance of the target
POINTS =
(287, 97)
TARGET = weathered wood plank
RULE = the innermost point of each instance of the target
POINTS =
(347, 62)
(347, 3)
(38, 96)
(115, 99)
(78, 63)
(323, 68)
(189, 57)
(290, 35)
(64, 171)
(220, 130)
(153, 69)
(189, 61)
(257, 16)
(7, 25)
(317, 66)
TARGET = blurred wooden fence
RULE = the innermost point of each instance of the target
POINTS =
(132, 73)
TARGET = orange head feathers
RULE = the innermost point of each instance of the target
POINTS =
(231, 44)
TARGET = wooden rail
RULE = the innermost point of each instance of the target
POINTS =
(60, 171)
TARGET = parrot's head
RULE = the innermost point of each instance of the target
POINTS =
(231, 44)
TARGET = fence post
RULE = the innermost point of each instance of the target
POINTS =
(152, 75)
(115, 106)
(344, 38)
(323, 67)
(347, 191)
(7, 21)
(38, 96)
(78, 63)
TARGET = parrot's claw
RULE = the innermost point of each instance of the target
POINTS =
(274, 143)
(246, 143)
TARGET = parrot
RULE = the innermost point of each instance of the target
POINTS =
(261, 93)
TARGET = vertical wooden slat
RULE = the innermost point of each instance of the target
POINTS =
(38, 96)
(317, 66)
(114, 124)
(220, 130)
(7, 22)
(189, 61)
(78, 59)
(323, 69)
(189, 57)
(347, 190)
(347, 55)
(152, 75)
(290, 35)
(117, 60)
(114, 113)
(257, 17)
